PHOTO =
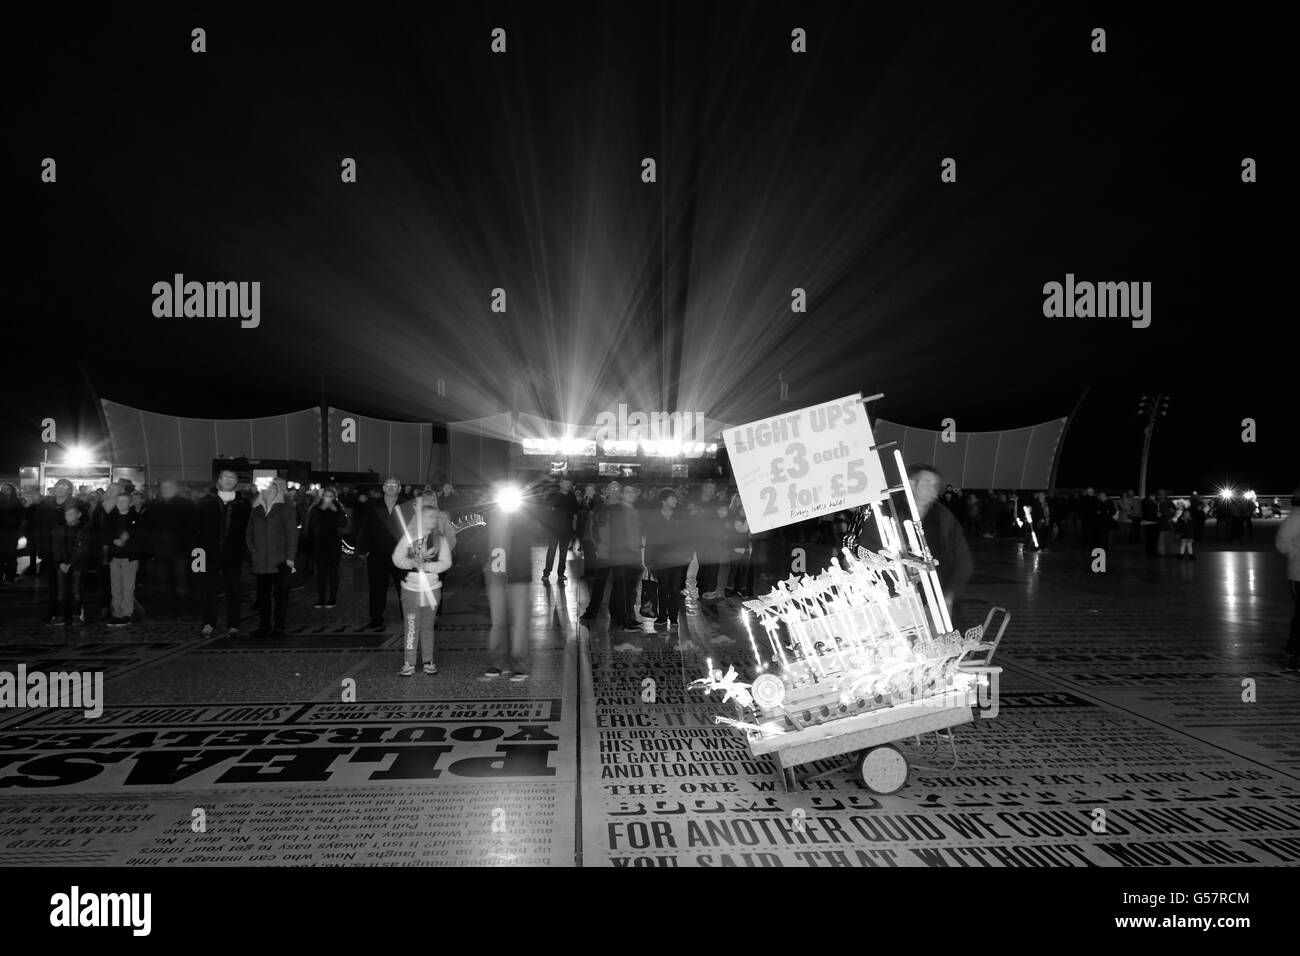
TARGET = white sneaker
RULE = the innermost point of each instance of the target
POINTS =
(430, 667)
(517, 677)
(407, 670)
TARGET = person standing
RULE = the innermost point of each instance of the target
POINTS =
(272, 541)
(1041, 514)
(741, 570)
(1124, 517)
(1288, 543)
(423, 553)
(121, 555)
(70, 552)
(1199, 514)
(380, 527)
(1103, 520)
(326, 524)
(170, 525)
(222, 526)
(1134, 510)
(667, 554)
(707, 541)
(1185, 529)
(562, 522)
(585, 530)
(49, 518)
(625, 541)
(11, 522)
(508, 572)
(98, 517)
(599, 559)
(1165, 507)
(1151, 525)
(943, 536)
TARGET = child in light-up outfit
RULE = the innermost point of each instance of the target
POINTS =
(424, 554)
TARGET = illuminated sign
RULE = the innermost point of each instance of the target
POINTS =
(557, 447)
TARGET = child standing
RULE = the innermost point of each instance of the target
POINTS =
(1185, 528)
(121, 554)
(424, 554)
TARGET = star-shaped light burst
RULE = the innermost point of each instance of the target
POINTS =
(728, 683)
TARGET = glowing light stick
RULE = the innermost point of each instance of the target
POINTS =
(1030, 522)
(936, 603)
(919, 534)
(753, 645)
(888, 533)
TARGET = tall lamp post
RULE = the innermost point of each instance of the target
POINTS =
(1153, 408)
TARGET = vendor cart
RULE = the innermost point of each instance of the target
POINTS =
(862, 656)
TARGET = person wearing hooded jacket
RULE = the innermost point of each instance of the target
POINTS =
(423, 553)
(272, 540)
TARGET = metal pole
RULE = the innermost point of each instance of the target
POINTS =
(1146, 447)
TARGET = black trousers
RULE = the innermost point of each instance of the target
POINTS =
(671, 603)
(272, 600)
(1151, 534)
(380, 572)
(172, 571)
(327, 573)
(8, 556)
(623, 596)
(557, 543)
(706, 578)
(214, 579)
(599, 577)
(50, 571)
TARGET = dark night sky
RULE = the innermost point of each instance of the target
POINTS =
(776, 170)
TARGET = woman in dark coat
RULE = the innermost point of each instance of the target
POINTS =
(272, 539)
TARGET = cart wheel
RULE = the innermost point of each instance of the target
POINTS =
(883, 769)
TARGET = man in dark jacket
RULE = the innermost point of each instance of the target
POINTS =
(48, 519)
(667, 553)
(511, 528)
(707, 530)
(222, 523)
(170, 524)
(562, 522)
(624, 537)
(943, 535)
(378, 530)
(70, 555)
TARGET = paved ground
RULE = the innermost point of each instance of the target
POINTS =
(1121, 711)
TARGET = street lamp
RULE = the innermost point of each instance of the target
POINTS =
(1153, 408)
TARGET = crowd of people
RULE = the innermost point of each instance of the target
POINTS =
(1093, 518)
(189, 550)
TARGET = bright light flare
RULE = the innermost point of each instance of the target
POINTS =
(77, 455)
(1225, 494)
(510, 498)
